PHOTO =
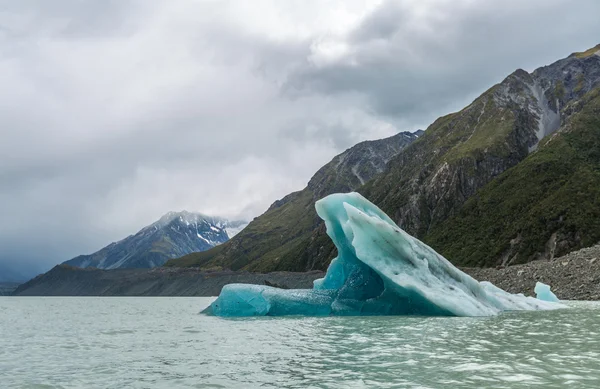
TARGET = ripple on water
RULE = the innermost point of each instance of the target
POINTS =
(164, 343)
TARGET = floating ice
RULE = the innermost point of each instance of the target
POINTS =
(543, 292)
(380, 270)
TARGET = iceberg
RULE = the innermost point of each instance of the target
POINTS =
(379, 270)
(543, 292)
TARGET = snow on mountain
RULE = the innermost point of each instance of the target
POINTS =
(175, 234)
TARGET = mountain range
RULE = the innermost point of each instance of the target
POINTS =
(513, 177)
(173, 235)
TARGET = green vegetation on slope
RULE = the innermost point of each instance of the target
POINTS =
(481, 126)
(556, 190)
(458, 154)
(587, 53)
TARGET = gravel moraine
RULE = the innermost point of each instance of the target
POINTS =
(575, 276)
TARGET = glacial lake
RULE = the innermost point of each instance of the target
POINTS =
(147, 342)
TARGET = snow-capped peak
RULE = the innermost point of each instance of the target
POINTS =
(174, 235)
(184, 217)
(216, 224)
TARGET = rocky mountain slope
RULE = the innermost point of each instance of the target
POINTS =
(283, 237)
(525, 153)
(174, 235)
(546, 206)
(461, 153)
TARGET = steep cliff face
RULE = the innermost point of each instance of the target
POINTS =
(545, 207)
(357, 165)
(274, 240)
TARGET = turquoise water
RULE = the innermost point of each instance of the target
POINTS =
(79, 342)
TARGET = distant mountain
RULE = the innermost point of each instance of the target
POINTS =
(174, 235)
(282, 237)
(65, 280)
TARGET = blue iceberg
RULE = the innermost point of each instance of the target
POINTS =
(379, 270)
(543, 292)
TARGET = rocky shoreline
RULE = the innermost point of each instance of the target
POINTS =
(575, 276)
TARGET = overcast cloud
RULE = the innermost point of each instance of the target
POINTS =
(114, 112)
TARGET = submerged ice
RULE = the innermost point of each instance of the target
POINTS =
(379, 270)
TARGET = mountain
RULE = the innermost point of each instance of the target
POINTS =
(282, 237)
(540, 130)
(461, 152)
(508, 179)
(545, 207)
(174, 235)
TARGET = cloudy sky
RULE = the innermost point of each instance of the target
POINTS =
(113, 112)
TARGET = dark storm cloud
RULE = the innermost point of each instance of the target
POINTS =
(114, 112)
(417, 63)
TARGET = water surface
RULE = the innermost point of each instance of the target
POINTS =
(114, 342)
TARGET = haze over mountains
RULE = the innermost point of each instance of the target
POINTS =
(8, 274)
(283, 237)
